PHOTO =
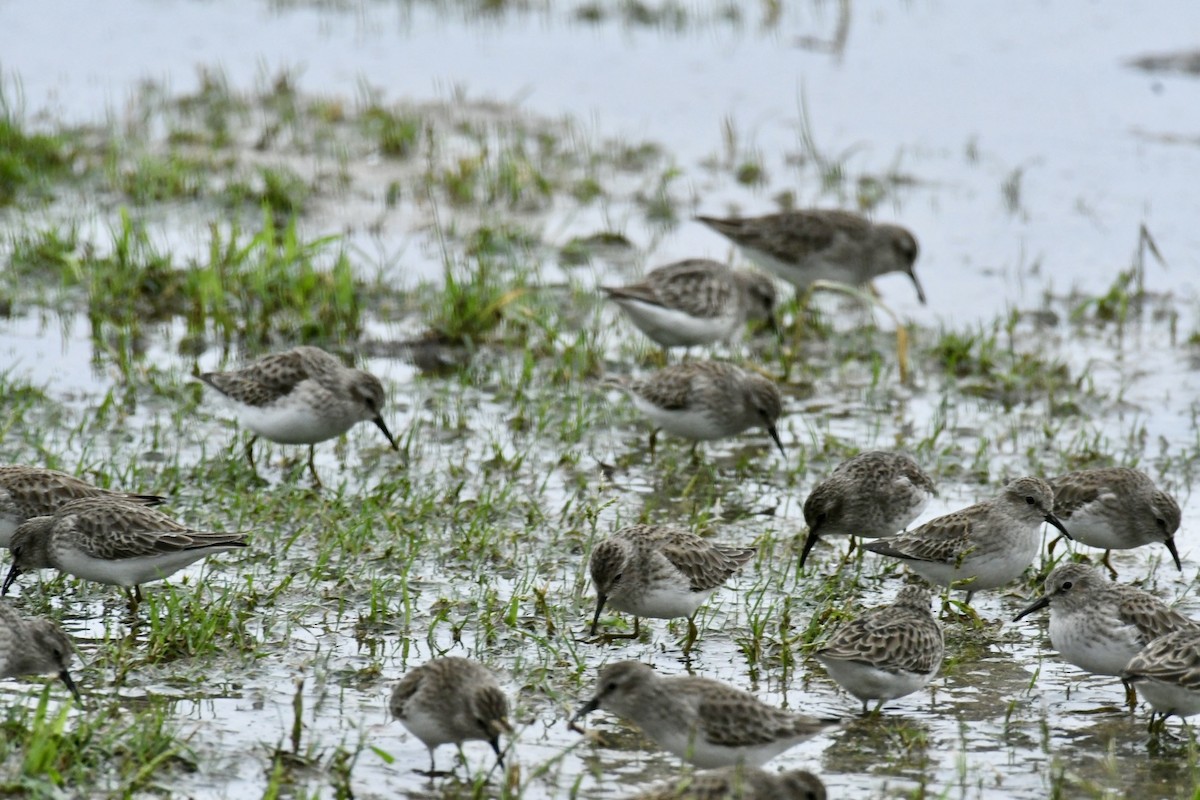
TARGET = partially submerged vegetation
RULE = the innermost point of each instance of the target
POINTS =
(514, 462)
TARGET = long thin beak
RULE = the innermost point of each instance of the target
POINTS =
(808, 545)
(66, 678)
(920, 292)
(601, 599)
(1056, 522)
(383, 427)
(771, 429)
(1170, 543)
(13, 572)
(1036, 605)
(585, 709)
(495, 743)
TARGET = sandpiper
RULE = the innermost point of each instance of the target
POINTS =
(983, 546)
(660, 572)
(740, 783)
(1167, 673)
(887, 652)
(109, 540)
(27, 492)
(704, 722)
(872, 495)
(696, 302)
(301, 396)
(822, 244)
(706, 400)
(1098, 625)
(1118, 509)
(34, 646)
(451, 700)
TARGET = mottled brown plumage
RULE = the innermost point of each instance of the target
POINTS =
(34, 646)
(301, 396)
(822, 244)
(661, 572)
(695, 302)
(706, 400)
(451, 700)
(1167, 673)
(27, 492)
(703, 721)
(739, 783)
(1174, 657)
(887, 652)
(1116, 508)
(872, 495)
(111, 541)
(1098, 625)
(988, 544)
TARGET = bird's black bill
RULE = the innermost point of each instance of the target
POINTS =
(808, 546)
(1056, 522)
(917, 283)
(495, 743)
(13, 572)
(600, 601)
(1170, 543)
(1036, 605)
(585, 709)
(66, 678)
(775, 435)
(383, 427)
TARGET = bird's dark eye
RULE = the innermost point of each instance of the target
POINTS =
(611, 686)
(821, 518)
(1067, 585)
(1160, 522)
(1030, 500)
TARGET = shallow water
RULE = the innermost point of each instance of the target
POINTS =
(956, 96)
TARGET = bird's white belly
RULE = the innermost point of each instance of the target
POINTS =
(867, 682)
(810, 269)
(293, 423)
(662, 602)
(674, 328)
(705, 755)
(688, 423)
(1102, 648)
(127, 571)
(8, 526)
(1167, 698)
(429, 728)
(989, 568)
(1092, 527)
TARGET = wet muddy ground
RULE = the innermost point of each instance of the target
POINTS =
(479, 174)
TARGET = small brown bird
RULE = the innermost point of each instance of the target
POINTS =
(451, 700)
(822, 244)
(301, 396)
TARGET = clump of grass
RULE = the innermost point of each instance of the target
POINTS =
(473, 300)
(250, 287)
(52, 251)
(191, 622)
(115, 754)
(398, 135)
(153, 179)
(28, 159)
(998, 373)
(278, 188)
(271, 283)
